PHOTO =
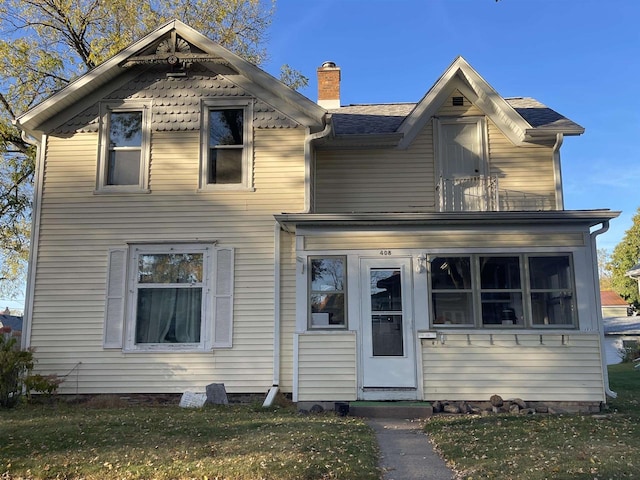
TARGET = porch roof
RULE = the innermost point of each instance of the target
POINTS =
(584, 218)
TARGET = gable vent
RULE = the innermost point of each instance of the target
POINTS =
(457, 101)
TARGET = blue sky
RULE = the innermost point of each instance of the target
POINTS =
(579, 57)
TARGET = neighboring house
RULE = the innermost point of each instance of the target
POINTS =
(634, 273)
(613, 305)
(196, 221)
(11, 324)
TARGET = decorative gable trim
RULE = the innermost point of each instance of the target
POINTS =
(79, 94)
(460, 75)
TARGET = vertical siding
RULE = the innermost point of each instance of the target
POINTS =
(78, 227)
(476, 366)
(327, 367)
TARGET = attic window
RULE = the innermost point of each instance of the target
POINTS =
(457, 101)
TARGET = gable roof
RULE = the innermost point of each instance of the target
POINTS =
(519, 118)
(75, 96)
(609, 298)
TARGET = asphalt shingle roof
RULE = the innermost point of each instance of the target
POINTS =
(387, 117)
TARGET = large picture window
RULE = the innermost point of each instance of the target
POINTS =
(327, 291)
(124, 147)
(502, 290)
(226, 146)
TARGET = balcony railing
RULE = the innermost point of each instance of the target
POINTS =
(482, 193)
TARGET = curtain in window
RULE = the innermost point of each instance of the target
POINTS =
(168, 315)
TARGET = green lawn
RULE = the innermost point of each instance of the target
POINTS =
(548, 446)
(167, 442)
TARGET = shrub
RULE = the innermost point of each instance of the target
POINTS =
(15, 366)
(630, 351)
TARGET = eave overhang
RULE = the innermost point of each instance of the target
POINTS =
(634, 272)
(579, 218)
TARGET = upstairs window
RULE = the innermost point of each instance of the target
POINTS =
(124, 148)
(226, 146)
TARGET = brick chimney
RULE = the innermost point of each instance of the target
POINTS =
(329, 85)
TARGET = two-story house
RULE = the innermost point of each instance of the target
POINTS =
(196, 221)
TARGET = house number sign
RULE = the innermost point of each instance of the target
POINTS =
(385, 253)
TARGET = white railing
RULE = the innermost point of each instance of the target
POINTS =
(481, 193)
(477, 193)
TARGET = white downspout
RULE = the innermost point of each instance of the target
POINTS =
(35, 235)
(276, 317)
(557, 171)
(276, 259)
(596, 288)
(309, 166)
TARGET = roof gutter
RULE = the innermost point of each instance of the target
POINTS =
(596, 294)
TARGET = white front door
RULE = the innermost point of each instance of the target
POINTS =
(388, 345)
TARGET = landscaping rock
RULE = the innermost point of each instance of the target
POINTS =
(521, 403)
(496, 400)
(514, 408)
(527, 411)
(316, 409)
(542, 409)
(217, 394)
(451, 408)
(437, 406)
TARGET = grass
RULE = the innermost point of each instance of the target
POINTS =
(548, 446)
(166, 442)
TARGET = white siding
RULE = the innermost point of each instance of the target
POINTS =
(327, 367)
(79, 227)
(545, 367)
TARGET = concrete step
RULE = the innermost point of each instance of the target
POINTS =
(399, 409)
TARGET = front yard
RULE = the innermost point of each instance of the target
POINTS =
(167, 442)
(536, 447)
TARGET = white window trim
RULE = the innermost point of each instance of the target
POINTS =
(247, 149)
(206, 327)
(526, 290)
(103, 146)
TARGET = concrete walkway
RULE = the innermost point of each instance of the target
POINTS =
(406, 453)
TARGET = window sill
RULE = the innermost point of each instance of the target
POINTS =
(164, 349)
(225, 189)
(121, 190)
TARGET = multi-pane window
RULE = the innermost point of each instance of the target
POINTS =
(169, 293)
(125, 148)
(502, 290)
(226, 146)
(451, 290)
(327, 292)
(124, 140)
(226, 142)
(552, 301)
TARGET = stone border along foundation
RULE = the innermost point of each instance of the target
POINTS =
(515, 406)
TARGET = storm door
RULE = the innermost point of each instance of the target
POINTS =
(388, 344)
